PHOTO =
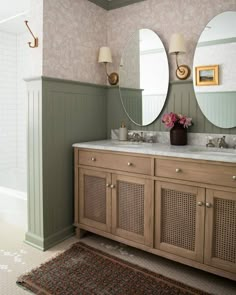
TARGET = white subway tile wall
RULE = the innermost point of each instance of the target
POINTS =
(22, 72)
(8, 100)
(13, 67)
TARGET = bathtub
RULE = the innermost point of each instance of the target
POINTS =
(13, 197)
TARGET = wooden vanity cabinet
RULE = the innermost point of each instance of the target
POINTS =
(112, 204)
(195, 215)
(181, 209)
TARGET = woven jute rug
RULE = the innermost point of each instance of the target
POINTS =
(84, 270)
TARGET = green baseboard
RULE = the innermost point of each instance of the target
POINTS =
(34, 240)
(44, 244)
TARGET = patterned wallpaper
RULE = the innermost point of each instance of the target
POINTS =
(164, 17)
(74, 30)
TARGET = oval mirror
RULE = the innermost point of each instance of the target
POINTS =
(144, 77)
(215, 70)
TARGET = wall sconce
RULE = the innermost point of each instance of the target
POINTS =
(177, 46)
(105, 57)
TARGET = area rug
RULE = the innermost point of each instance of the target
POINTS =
(83, 270)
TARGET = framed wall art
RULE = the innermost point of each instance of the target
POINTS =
(207, 75)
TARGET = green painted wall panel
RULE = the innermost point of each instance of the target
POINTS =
(71, 113)
(181, 99)
(65, 113)
(34, 169)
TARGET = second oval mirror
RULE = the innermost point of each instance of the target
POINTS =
(144, 77)
(215, 70)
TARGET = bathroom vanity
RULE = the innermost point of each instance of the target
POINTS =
(176, 202)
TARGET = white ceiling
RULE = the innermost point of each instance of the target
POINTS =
(13, 14)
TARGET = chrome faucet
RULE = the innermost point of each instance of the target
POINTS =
(137, 137)
(221, 142)
(210, 142)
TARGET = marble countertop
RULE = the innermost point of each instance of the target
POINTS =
(159, 149)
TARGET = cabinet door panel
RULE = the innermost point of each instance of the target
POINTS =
(95, 199)
(132, 209)
(179, 224)
(220, 239)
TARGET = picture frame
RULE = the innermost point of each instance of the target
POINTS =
(207, 75)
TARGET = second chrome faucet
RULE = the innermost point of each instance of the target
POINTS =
(218, 142)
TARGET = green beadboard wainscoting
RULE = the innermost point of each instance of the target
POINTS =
(180, 99)
(60, 113)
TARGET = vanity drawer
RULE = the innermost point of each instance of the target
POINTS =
(127, 163)
(197, 172)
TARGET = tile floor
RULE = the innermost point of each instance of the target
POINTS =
(17, 258)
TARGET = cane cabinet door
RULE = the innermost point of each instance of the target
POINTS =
(95, 199)
(132, 208)
(179, 219)
(220, 238)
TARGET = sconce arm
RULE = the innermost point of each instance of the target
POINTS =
(113, 78)
(177, 64)
(182, 71)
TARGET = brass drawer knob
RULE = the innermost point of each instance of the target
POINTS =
(93, 159)
(234, 177)
(199, 203)
(107, 185)
(112, 186)
(208, 205)
(130, 164)
(177, 170)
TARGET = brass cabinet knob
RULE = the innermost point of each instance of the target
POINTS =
(234, 177)
(130, 164)
(177, 170)
(93, 159)
(112, 186)
(107, 185)
(208, 205)
(199, 203)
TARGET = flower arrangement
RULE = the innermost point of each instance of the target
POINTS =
(172, 119)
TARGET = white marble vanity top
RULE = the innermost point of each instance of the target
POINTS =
(159, 149)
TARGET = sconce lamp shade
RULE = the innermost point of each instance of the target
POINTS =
(105, 55)
(177, 44)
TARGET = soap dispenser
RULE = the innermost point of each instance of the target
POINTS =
(123, 132)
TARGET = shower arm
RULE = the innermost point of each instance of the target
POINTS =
(36, 40)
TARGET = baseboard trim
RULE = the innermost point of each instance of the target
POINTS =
(59, 237)
(34, 241)
(44, 244)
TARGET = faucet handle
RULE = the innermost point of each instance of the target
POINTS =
(210, 142)
(221, 142)
(234, 142)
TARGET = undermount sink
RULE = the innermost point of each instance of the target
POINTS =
(133, 144)
(213, 151)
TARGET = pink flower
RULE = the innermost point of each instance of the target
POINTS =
(171, 119)
(188, 122)
(182, 119)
